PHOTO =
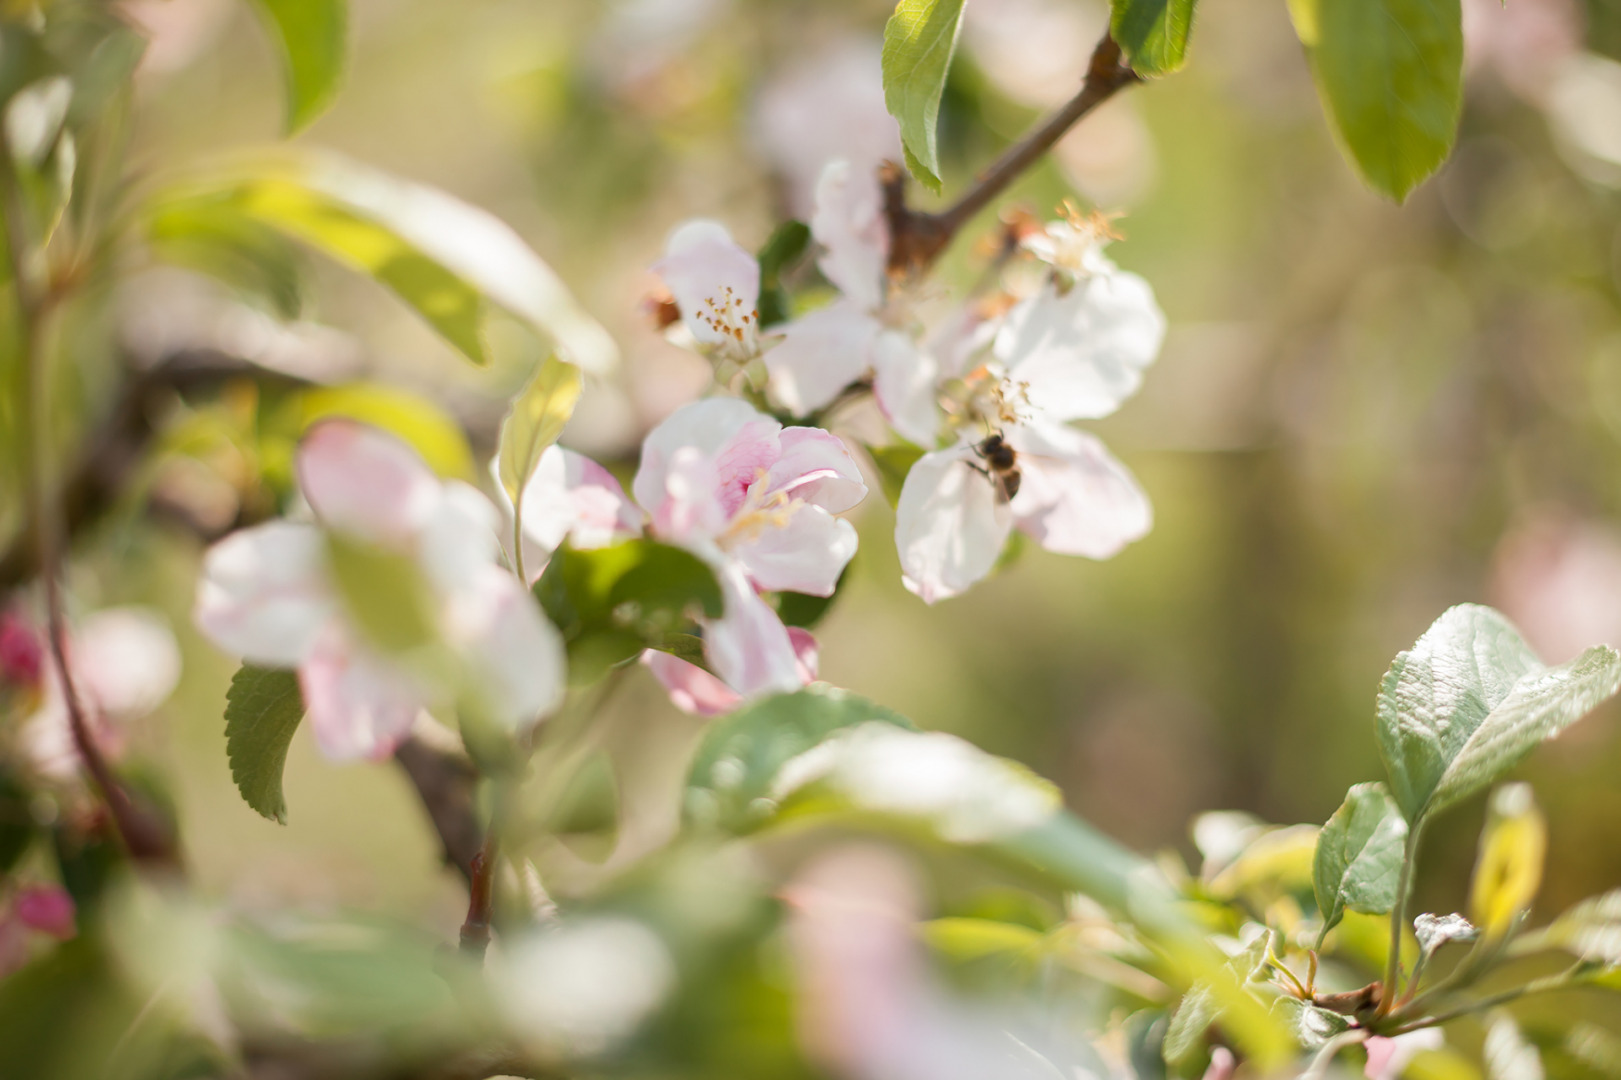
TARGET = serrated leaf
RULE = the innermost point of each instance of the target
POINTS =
(1470, 700)
(534, 422)
(1359, 855)
(1390, 73)
(262, 710)
(919, 41)
(1153, 34)
(448, 260)
(312, 35)
(739, 762)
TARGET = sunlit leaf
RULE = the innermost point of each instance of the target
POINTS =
(1508, 871)
(1153, 34)
(965, 940)
(1508, 1056)
(1470, 700)
(1390, 73)
(262, 710)
(919, 41)
(249, 256)
(1359, 855)
(534, 422)
(1590, 930)
(418, 421)
(445, 258)
(312, 36)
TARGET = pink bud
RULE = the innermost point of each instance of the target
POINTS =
(22, 653)
(47, 909)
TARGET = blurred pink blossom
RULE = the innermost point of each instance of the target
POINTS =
(1523, 42)
(696, 691)
(1558, 578)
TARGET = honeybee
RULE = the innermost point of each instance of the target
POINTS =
(1001, 466)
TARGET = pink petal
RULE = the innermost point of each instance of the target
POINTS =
(949, 526)
(815, 466)
(805, 555)
(807, 652)
(360, 706)
(22, 651)
(906, 382)
(46, 908)
(1081, 353)
(512, 656)
(710, 427)
(264, 593)
(749, 647)
(572, 497)
(715, 283)
(1074, 497)
(820, 354)
(849, 224)
(691, 688)
(365, 482)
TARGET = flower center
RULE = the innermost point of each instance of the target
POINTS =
(986, 398)
(759, 513)
(725, 315)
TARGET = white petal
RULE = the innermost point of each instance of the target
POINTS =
(716, 284)
(359, 705)
(458, 539)
(365, 482)
(949, 526)
(1074, 497)
(513, 656)
(806, 555)
(125, 660)
(749, 647)
(690, 512)
(905, 382)
(264, 592)
(820, 354)
(1082, 353)
(816, 467)
(707, 426)
(849, 224)
(569, 497)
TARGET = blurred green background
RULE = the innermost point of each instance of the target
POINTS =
(1364, 413)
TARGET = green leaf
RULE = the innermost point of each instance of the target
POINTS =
(966, 940)
(1310, 1025)
(312, 35)
(1195, 1013)
(1390, 73)
(262, 710)
(446, 259)
(1153, 34)
(612, 602)
(1470, 700)
(919, 41)
(534, 422)
(249, 256)
(893, 463)
(785, 247)
(805, 610)
(586, 814)
(1591, 930)
(736, 769)
(17, 825)
(1359, 855)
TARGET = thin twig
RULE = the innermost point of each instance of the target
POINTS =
(917, 239)
(1562, 981)
(445, 783)
(475, 934)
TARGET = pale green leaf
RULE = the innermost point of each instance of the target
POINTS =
(1195, 1013)
(262, 710)
(919, 41)
(1310, 1025)
(385, 593)
(1390, 73)
(1470, 700)
(448, 260)
(1591, 930)
(1359, 855)
(1508, 1055)
(534, 422)
(965, 940)
(1153, 34)
(312, 35)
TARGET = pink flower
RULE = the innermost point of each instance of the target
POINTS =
(716, 285)
(46, 908)
(570, 497)
(694, 690)
(1075, 350)
(22, 652)
(267, 594)
(869, 330)
(125, 663)
(756, 502)
(1388, 1057)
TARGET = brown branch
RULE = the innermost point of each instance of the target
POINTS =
(475, 935)
(446, 783)
(917, 239)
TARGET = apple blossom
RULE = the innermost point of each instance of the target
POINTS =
(694, 690)
(756, 501)
(269, 594)
(716, 285)
(1074, 350)
(570, 497)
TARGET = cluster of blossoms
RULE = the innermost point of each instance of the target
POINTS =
(985, 396)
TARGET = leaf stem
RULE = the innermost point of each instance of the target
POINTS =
(917, 239)
(1398, 918)
(1561, 981)
(144, 834)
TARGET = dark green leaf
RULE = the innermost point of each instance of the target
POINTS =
(785, 247)
(262, 710)
(919, 41)
(1359, 855)
(688, 647)
(312, 36)
(1153, 34)
(737, 765)
(1470, 700)
(1390, 73)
